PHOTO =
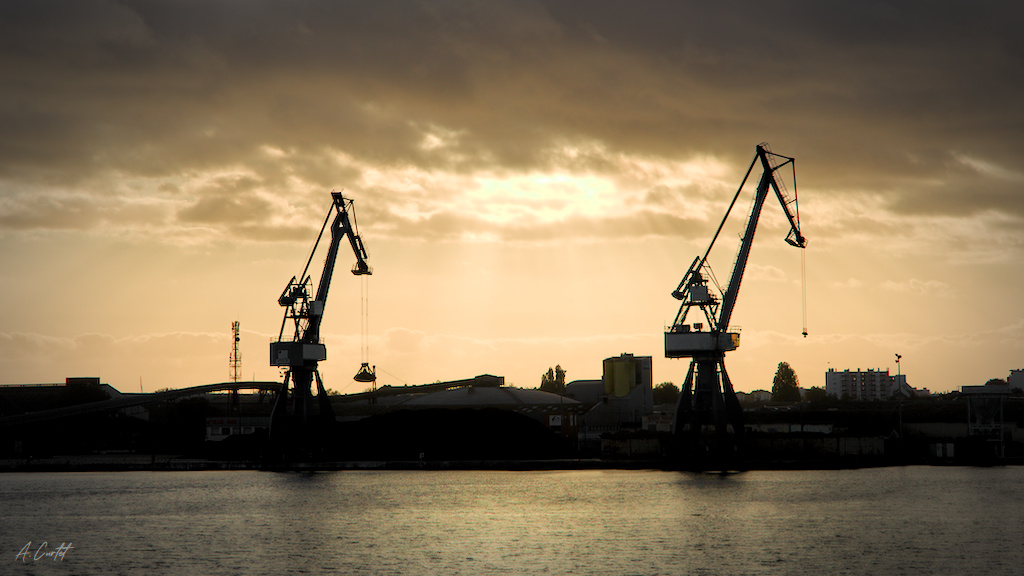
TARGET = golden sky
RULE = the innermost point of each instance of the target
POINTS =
(531, 180)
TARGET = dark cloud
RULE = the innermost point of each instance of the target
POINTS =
(27, 213)
(960, 195)
(228, 200)
(36, 211)
(216, 209)
(867, 95)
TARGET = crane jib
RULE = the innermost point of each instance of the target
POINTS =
(686, 340)
(305, 311)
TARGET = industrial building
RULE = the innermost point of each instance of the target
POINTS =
(866, 385)
(1016, 380)
(621, 399)
(555, 412)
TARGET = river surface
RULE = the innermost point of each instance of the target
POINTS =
(913, 520)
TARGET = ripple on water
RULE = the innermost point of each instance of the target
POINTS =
(916, 520)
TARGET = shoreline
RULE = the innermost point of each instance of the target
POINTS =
(166, 463)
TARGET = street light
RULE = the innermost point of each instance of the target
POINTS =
(899, 399)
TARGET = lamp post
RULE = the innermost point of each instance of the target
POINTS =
(899, 401)
(899, 382)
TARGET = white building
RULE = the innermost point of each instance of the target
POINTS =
(865, 385)
(755, 397)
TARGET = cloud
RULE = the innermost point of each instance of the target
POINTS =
(989, 169)
(911, 286)
(78, 211)
(886, 95)
(766, 273)
(854, 283)
(919, 287)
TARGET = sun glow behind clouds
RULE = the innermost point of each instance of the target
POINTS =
(544, 197)
(575, 184)
(571, 191)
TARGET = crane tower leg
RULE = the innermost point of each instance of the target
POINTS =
(303, 401)
(296, 420)
(733, 410)
(326, 410)
(279, 414)
(709, 421)
(684, 405)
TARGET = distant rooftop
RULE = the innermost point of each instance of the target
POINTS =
(987, 389)
(489, 396)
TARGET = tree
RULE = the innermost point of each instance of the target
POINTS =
(785, 386)
(553, 380)
(666, 393)
(547, 380)
(816, 394)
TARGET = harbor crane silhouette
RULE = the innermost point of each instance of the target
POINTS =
(709, 420)
(298, 347)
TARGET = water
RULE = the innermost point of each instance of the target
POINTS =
(915, 520)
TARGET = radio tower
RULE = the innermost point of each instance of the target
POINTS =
(235, 360)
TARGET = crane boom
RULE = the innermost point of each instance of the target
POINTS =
(794, 237)
(306, 313)
(341, 227)
(682, 340)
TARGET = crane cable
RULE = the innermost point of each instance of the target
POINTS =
(803, 286)
(803, 250)
(365, 313)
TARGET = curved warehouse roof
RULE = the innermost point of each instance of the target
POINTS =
(479, 396)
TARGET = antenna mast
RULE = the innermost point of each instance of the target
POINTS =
(235, 360)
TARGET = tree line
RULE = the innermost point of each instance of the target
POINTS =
(785, 385)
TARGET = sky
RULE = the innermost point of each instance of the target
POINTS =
(531, 181)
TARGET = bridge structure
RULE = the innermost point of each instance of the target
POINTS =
(130, 400)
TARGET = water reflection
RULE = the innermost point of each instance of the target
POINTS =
(902, 520)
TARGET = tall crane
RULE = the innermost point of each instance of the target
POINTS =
(707, 399)
(298, 347)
